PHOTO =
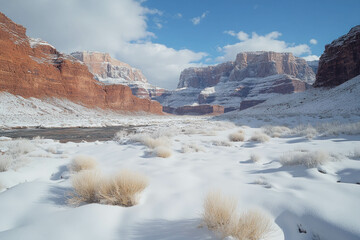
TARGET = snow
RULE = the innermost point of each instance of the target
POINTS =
(322, 200)
(170, 208)
(37, 41)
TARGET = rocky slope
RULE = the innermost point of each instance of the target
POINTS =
(112, 71)
(340, 60)
(251, 79)
(33, 68)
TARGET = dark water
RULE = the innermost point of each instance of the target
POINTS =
(73, 134)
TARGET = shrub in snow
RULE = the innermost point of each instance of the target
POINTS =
(262, 181)
(192, 147)
(276, 131)
(254, 157)
(356, 153)
(308, 159)
(82, 162)
(1, 187)
(86, 186)
(237, 136)
(52, 149)
(252, 225)
(220, 216)
(120, 135)
(331, 129)
(21, 147)
(150, 141)
(5, 162)
(221, 143)
(259, 137)
(219, 212)
(122, 189)
(307, 131)
(163, 152)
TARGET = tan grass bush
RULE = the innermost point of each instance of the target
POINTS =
(122, 189)
(86, 187)
(259, 137)
(1, 186)
(150, 141)
(308, 159)
(221, 143)
(220, 216)
(276, 131)
(252, 225)
(191, 147)
(163, 152)
(219, 212)
(5, 162)
(82, 162)
(255, 157)
(237, 136)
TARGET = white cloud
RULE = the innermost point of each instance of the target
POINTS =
(313, 41)
(268, 42)
(197, 20)
(311, 58)
(178, 15)
(119, 27)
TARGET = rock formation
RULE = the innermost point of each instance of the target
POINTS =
(112, 71)
(33, 68)
(252, 78)
(340, 61)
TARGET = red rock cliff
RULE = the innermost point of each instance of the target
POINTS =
(340, 61)
(32, 68)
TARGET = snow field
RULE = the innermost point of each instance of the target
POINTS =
(322, 199)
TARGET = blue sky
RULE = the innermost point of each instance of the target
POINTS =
(162, 37)
(297, 21)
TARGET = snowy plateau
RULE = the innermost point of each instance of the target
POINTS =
(296, 163)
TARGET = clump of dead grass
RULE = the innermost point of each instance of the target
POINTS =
(259, 137)
(305, 158)
(221, 217)
(82, 162)
(121, 189)
(238, 136)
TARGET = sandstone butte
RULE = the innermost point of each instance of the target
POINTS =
(32, 68)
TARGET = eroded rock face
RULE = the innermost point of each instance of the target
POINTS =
(252, 78)
(264, 64)
(33, 68)
(340, 61)
(111, 71)
(204, 77)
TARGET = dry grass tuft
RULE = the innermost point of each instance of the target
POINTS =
(308, 159)
(5, 162)
(82, 162)
(276, 131)
(252, 225)
(221, 143)
(163, 152)
(123, 189)
(237, 136)
(86, 186)
(219, 212)
(260, 137)
(191, 147)
(151, 142)
(220, 216)
(255, 157)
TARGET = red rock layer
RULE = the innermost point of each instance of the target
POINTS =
(39, 70)
(340, 61)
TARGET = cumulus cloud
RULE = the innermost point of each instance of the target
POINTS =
(119, 27)
(311, 58)
(197, 20)
(268, 42)
(313, 41)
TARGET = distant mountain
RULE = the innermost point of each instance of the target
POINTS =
(251, 79)
(111, 71)
(314, 65)
(33, 68)
(340, 60)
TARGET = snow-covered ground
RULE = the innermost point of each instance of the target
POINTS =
(322, 200)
